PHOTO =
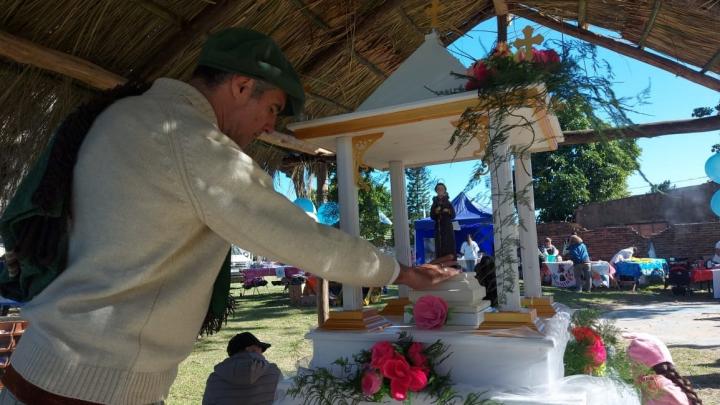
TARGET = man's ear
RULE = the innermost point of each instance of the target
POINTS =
(241, 87)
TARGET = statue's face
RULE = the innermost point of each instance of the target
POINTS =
(440, 190)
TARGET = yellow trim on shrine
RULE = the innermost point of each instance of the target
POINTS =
(450, 109)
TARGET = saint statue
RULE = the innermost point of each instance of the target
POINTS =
(443, 213)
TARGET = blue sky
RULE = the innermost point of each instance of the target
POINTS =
(678, 158)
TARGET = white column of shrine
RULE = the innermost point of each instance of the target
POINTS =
(528, 232)
(503, 224)
(400, 217)
(352, 298)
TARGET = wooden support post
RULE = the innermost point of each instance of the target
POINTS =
(619, 47)
(314, 18)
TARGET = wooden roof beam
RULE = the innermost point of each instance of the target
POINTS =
(650, 24)
(162, 12)
(643, 130)
(29, 53)
(203, 22)
(469, 24)
(371, 66)
(327, 101)
(338, 47)
(619, 47)
(409, 22)
(314, 18)
(582, 14)
(711, 62)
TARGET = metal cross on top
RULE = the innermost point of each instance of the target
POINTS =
(433, 13)
(528, 41)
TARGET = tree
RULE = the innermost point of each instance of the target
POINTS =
(419, 195)
(579, 174)
(376, 197)
(663, 187)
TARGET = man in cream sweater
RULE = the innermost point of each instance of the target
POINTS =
(160, 189)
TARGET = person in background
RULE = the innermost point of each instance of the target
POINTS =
(245, 377)
(470, 252)
(716, 259)
(581, 263)
(443, 213)
(548, 249)
(625, 254)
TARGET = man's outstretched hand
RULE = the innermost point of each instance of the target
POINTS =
(427, 275)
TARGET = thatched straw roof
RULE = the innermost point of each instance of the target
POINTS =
(343, 49)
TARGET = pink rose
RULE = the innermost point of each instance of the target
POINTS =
(381, 352)
(416, 356)
(430, 312)
(479, 74)
(371, 383)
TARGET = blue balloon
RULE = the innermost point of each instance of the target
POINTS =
(712, 167)
(329, 213)
(715, 203)
(305, 204)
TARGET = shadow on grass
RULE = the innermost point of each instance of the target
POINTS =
(705, 380)
(604, 299)
(698, 347)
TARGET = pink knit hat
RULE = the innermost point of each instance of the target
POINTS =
(647, 349)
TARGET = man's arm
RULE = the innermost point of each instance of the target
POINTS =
(236, 199)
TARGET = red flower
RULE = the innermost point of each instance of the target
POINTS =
(371, 383)
(430, 312)
(585, 334)
(381, 352)
(597, 352)
(479, 74)
(417, 358)
(403, 377)
(547, 57)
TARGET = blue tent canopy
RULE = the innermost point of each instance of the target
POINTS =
(473, 218)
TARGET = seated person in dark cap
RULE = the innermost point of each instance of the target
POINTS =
(245, 377)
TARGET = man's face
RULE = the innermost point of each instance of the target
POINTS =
(254, 349)
(247, 117)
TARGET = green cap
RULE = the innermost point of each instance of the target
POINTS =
(248, 52)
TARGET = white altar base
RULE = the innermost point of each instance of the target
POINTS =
(517, 370)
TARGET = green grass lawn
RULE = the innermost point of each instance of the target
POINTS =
(271, 318)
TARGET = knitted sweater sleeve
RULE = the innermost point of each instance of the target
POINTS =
(235, 198)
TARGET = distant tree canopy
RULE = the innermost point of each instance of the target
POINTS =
(420, 186)
(375, 197)
(575, 175)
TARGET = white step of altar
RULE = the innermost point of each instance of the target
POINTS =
(475, 360)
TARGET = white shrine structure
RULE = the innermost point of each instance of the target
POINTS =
(404, 124)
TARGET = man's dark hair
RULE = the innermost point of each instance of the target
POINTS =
(210, 76)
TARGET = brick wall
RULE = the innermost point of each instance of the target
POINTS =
(680, 240)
